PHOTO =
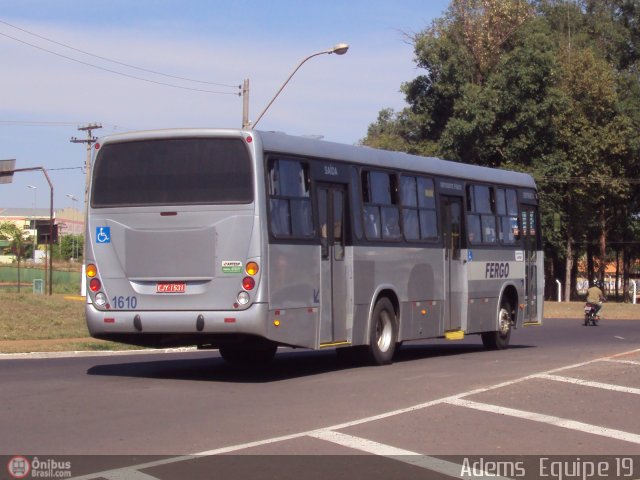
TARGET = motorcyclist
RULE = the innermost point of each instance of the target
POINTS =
(595, 296)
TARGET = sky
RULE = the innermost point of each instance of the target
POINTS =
(130, 65)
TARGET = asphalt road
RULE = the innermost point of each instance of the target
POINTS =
(561, 389)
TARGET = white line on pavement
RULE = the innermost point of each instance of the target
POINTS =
(453, 399)
(405, 456)
(615, 360)
(549, 419)
(588, 383)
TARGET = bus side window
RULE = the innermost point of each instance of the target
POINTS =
(409, 201)
(481, 219)
(507, 210)
(354, 198)
(381, 213)
(418, 208)
(427, 206)
(290, 202)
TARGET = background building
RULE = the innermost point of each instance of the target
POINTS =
(66, 221)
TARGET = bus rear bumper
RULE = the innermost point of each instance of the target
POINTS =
(176, 328)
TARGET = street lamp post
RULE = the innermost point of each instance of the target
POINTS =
(32, 222)
(339, 49)
(73, 232)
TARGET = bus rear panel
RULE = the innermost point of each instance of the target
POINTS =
(173, 240)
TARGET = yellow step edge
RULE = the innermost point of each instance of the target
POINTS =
(334, 344)
(454, 335)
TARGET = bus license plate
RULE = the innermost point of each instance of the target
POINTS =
(171, 287)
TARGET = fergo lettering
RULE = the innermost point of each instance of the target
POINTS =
(496, 270)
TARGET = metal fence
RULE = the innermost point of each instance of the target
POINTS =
(9, 276)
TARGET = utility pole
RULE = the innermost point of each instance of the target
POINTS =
(90, 140)
(245, 104)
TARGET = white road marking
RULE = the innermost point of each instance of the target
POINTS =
(587, 383)
(453, 399)
(128, 474)
(405, 456)
(615, 360)
(550, 420)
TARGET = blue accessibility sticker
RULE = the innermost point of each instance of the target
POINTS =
(103, 234)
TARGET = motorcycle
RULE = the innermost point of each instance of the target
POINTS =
(590, 316)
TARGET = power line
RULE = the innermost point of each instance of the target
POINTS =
(65, 168)
(117, 72)
(116, 61)
(37, 123)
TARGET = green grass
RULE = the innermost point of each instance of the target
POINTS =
(43, 323)
(25, 316)
(610, 310)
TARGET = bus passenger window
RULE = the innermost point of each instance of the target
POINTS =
(408, 196)
(280, 221)
(482, 201)
(417, 196)
(290, 202)
(507, 210)
(390, 223)
(473, 229)
(428, 224)
(482, 197)
(301, 218)
(411, 225)
(371, 222)
(488, 229)
(322, 218)
(381, 213)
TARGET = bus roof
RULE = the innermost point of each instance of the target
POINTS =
(277, 142)
(282, 143)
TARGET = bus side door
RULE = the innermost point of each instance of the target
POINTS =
(455, 308)
(333, 272)
(529, 232)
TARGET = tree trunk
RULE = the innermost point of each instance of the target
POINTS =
(568, 269)
(602, 242)
(18, 271)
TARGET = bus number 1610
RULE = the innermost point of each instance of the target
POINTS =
(122, 303)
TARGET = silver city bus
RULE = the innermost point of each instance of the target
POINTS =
(245, 240)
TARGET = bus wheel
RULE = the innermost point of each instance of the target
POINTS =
(254, 353)
(384, 333)
(499, 340)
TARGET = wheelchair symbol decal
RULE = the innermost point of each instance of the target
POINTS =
(103, 234)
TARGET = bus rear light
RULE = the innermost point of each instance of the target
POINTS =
(91, 270)
(248, 283)
(252, 268)
(243, 298)
(95, 285)
(101, 298)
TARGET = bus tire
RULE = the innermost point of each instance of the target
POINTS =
(383, 333)
(499, 340)
(254, 353)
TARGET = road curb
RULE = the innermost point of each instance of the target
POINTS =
(90, 353)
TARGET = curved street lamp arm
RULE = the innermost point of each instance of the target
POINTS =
(339, 49)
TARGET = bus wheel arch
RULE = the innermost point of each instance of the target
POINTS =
(505, 321)
(383, 329)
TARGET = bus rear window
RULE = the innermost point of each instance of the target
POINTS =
(178, 171)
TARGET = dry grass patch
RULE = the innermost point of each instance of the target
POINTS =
(25, 316)
(611, 311)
